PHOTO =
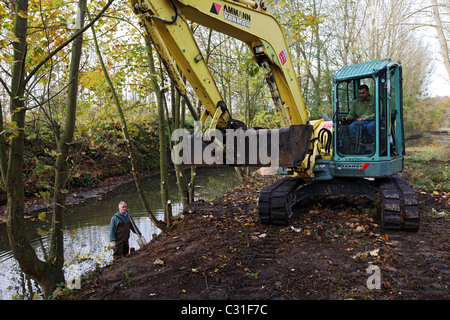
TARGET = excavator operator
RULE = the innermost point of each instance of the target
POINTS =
(363, 111)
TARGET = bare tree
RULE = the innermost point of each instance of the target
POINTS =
(441, 34)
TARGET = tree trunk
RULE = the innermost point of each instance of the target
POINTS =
(162, 131)
(3, 157)
(18, 237)
(46, 273)
(17, 233)
(137, 181)
(441, 36)
(191, 185)
(56, 254)
(163, 162)
(178, 123)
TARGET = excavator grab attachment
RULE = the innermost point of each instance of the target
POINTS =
(286, 147)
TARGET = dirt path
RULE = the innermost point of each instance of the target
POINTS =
(219, 250)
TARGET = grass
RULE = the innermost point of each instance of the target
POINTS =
(428, 167)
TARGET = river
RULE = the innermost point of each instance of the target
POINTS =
(86, 229)
(428, 138)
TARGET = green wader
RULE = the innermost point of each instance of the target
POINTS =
(122, 236)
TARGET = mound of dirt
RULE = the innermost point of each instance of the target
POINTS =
(332, 251)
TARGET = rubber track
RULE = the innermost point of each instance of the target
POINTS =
(273, 203)
(399, 205)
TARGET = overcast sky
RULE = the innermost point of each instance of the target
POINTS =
(439, 82)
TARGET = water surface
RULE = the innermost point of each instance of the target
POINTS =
(86, 231)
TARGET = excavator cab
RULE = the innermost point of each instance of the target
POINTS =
(372, 148)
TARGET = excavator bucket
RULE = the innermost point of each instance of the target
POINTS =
(286, 147)
(294, 144)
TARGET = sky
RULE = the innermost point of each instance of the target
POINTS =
(439, 82)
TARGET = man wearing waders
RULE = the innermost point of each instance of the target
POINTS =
(119, 231)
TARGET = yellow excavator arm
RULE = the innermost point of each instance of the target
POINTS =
(166, 22)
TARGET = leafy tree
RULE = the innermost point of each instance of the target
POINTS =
(26, 73)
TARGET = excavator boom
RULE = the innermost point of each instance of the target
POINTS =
(166, 23)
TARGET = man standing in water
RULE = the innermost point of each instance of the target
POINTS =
(119, 230)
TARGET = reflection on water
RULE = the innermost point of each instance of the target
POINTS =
(427, 139)
(86, 235)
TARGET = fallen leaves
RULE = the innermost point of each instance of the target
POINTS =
(437, 215)
(361, 255)
(370, 254)
(252, 274)
(158, 262)
(257, 235)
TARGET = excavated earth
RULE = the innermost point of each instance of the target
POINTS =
(220, 250)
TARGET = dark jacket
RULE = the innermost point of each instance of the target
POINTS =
(122, 221)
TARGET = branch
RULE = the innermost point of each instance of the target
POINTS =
(6, 87)
(40, 104)
(51, 54)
